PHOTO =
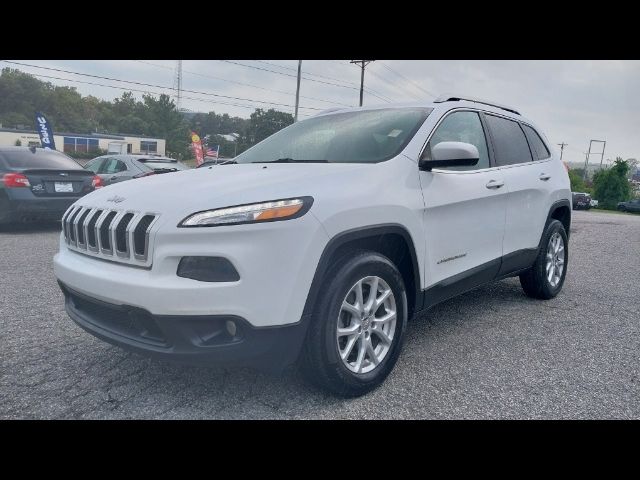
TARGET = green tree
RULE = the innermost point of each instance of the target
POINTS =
(577, 183)
(263, 124)
(18, 143)
(163, 120)
(611, 185)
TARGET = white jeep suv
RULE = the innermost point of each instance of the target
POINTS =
(320, 242)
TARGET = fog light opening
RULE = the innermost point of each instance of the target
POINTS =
(231, 327)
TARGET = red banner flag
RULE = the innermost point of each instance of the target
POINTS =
(196, 144)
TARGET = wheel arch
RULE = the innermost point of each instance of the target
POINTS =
(392, 240)
(561, 211)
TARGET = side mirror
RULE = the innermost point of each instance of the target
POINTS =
(449, 154)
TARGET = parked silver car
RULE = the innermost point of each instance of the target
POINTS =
(119, 167)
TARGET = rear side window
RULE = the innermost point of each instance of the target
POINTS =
(113, 165)
(94, 165)
(540, 150)
(25, 158)
(509, 142)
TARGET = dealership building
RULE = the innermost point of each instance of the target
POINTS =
(78, 142)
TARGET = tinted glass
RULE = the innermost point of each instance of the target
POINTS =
(368, 136)
(112, 165)
(40, 159)
(463, 127)
(510, 144)
(94, 165)
(537, 145)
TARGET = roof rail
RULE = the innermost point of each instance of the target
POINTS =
(455, 98)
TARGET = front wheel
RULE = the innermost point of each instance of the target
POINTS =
(358, 325)
(545, 279)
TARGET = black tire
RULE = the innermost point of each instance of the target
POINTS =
(622, 208)
(534, 281)
(321, 362)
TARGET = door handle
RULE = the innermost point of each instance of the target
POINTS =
(495, 184)
(115, 177)
(544, 176)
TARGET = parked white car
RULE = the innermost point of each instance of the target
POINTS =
(319, 243)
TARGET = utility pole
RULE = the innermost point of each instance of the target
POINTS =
(177, 84)
(362, 63)
(295, 118)
(562, 145)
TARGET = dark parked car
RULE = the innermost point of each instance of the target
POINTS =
(581, 200)
(119, 167)
(630, 206)
(38, 184)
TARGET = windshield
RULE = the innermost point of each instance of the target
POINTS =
(368, 136)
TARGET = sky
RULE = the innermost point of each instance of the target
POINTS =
(570, 101)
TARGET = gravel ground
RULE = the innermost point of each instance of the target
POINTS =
(491, 353)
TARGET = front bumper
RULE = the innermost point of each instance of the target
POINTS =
(200, 340)
(275, 261)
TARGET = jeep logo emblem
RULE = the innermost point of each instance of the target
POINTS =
(116, 199)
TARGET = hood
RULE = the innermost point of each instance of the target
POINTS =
(189, 191)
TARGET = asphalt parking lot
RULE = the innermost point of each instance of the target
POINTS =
(491, 353)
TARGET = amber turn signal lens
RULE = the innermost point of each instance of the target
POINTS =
(280, 212)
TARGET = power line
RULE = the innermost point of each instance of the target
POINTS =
(146, 91)
(407, 79)
(157, 86)
(395, 85)
(295, 76)
(245, 84)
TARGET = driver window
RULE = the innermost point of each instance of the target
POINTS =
(462, 127)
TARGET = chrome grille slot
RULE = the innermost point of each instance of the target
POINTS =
(80, 228)
(121, 237)
(114, 235)
(90, 229)
(105, 234)
(64, 224)
(141, 237)
(70, 226)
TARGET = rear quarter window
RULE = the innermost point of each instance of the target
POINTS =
(540, 150)
(510, 144)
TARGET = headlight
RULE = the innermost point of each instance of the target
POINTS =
(253, 213)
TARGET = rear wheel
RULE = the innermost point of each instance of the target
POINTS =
(545, 279)
(358, 325)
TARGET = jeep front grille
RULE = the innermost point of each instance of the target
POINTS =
(116, 235)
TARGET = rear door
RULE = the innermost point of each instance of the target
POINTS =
(464, 212)
(114, 170)
(527, 172)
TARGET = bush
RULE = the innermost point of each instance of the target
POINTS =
(18, 143)
(611, 185)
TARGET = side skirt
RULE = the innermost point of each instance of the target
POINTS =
(498, 269)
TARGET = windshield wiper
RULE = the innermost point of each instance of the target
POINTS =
(293, 160)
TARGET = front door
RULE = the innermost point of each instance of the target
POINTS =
(464, 213)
